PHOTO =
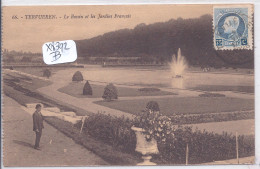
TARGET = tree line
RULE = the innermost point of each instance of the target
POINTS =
(158, 42)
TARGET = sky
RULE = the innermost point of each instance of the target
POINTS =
(30, 34)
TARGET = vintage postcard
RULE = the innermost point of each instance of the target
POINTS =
(127, 85)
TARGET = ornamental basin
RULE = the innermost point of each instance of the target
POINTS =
(142, 145)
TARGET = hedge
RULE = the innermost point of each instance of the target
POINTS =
(204, 146)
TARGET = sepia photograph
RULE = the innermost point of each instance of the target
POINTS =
(128, 85)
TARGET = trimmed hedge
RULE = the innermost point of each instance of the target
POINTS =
(205, 147)
(106, 152)
(115, 131)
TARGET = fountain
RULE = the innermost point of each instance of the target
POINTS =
(178, 65)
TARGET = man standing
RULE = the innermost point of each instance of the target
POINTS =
(37, 125)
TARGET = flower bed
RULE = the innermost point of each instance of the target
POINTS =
(149, 89)
(211, 117)
(207, 94)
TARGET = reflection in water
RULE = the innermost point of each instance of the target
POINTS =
(178, 83)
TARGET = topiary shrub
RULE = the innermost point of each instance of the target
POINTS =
(77, 76)
(46, 73)
(87, 90)
(153, 106)
(110, 92)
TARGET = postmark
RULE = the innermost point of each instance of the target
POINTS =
(232, 27)
(59, 52)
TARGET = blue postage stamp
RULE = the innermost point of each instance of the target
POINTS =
(232, 28)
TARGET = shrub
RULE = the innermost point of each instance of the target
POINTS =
(155, 126)
(110, 92)
(77, 76)
(87, 90)
(46, 73)
(115, 131)
(153, 106)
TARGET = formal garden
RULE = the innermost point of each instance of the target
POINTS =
(158, 133)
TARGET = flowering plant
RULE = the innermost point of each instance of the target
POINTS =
(155, 125)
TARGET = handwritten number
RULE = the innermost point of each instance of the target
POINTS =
(56, 55)
(56, 49)
(65, 44)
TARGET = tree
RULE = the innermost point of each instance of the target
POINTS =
(77, 76)
(157, 42)
(26, 59)
(10, 58)
(110, 92)
(46, 73)
(87, 90)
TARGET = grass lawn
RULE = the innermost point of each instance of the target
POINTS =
(32, 83)
(184, 105)
(245, 89)
(38, 71)
(76, 89)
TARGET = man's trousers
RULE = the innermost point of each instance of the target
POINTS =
(38, 138)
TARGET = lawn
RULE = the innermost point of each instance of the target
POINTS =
(76, 89)
(244, 89)
(183, 105)
(38, 71)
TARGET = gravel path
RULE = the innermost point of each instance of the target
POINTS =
(57, 149)
(242, 127)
